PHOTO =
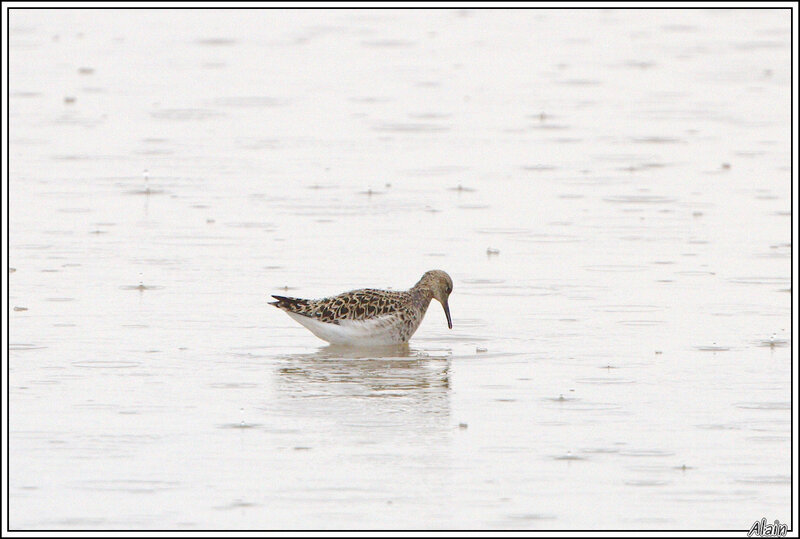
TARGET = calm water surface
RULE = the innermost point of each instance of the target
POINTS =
(610, 191)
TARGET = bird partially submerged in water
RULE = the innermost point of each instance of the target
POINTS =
(370, 317)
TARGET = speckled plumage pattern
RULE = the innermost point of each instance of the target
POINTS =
(368, 316)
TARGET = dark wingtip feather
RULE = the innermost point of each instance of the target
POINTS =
(289, 304)
(282, 301)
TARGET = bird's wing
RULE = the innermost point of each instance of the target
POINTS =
(357, 305)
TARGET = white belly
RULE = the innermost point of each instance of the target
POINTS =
(374, 332)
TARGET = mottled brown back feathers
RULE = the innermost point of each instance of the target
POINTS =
(360, 304)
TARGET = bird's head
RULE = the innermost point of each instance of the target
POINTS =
(441, 285)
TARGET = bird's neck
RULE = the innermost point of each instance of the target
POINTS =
(421, 294)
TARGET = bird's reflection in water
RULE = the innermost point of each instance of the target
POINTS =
(375, 386)
(374, 372)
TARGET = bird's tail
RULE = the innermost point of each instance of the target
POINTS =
(289, 304)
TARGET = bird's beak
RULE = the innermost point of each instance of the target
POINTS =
(447, 313)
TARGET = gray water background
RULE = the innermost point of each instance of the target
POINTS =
(610, 191)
